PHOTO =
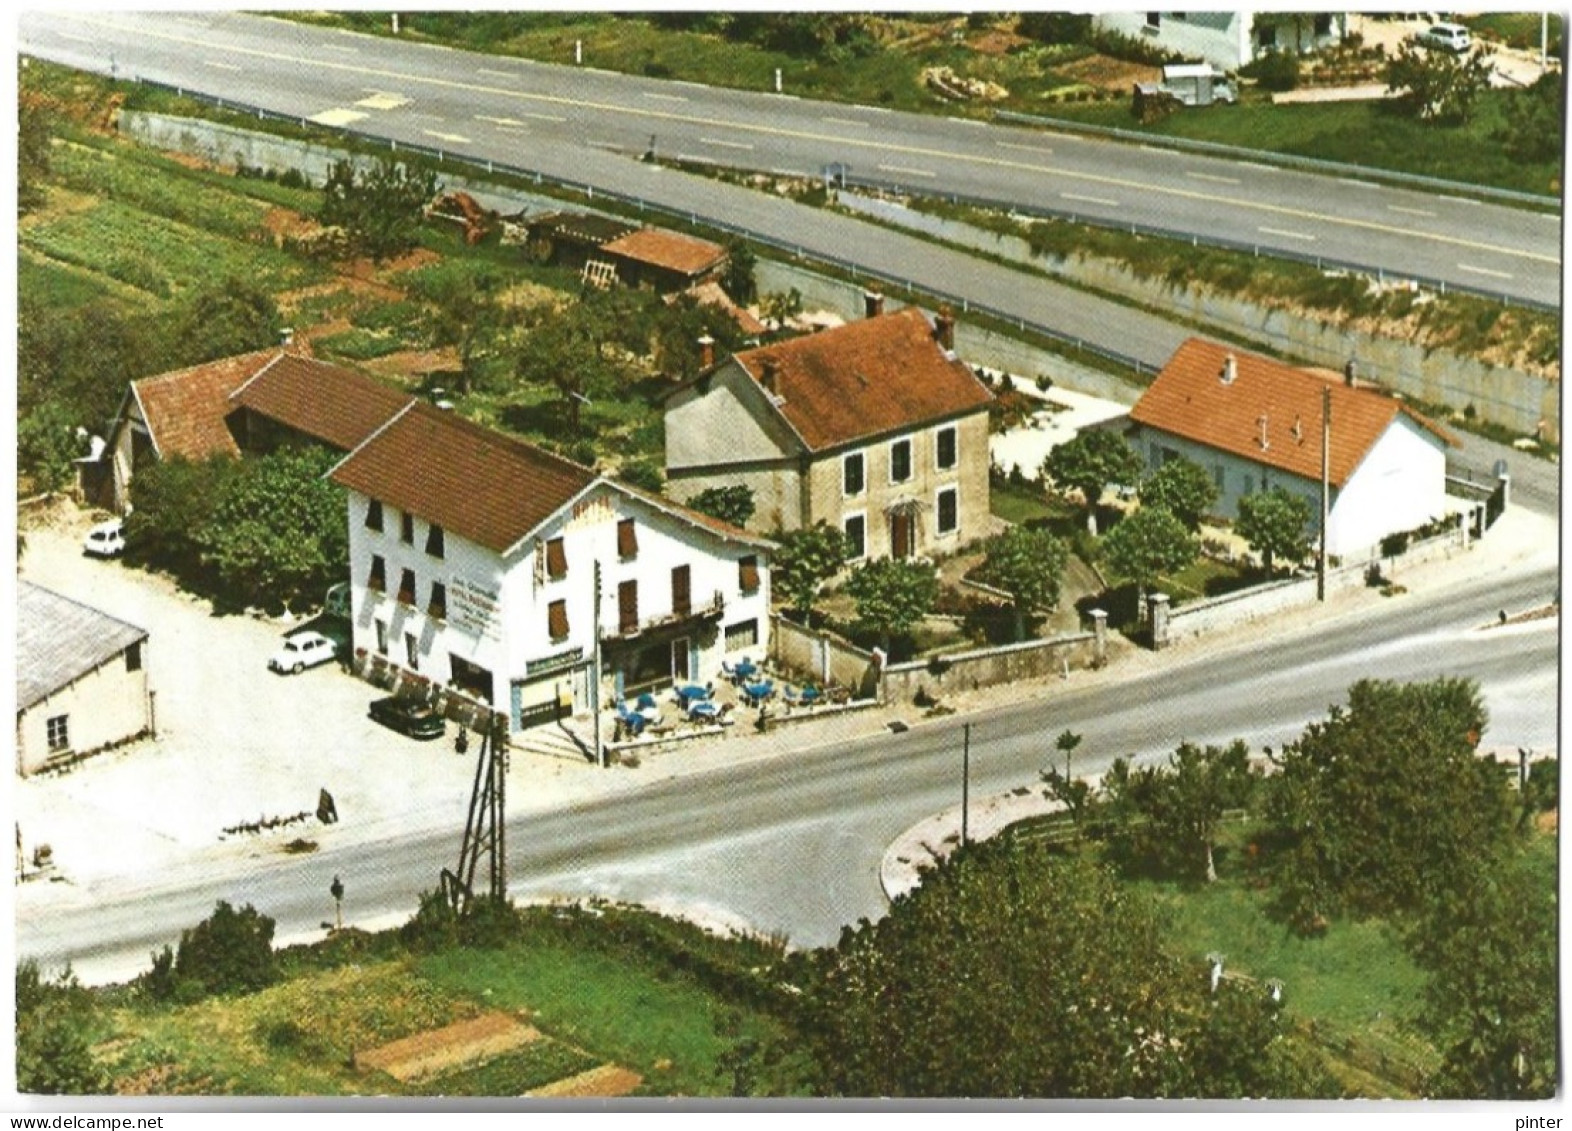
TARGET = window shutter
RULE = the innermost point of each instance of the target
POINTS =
(628, 608)
(748, 573)
(681, 591)
(627, 539)
(556, 560)
(557, 619)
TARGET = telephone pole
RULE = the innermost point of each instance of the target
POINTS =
(966, 780)
(1326, 490)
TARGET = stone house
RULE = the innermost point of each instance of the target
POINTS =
(874, 427)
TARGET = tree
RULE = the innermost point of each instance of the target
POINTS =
(738, 280)
(46, 443)
(1535, 120)
(1089, 463)
(34, 137)
(1015, 971)
(1384, 805)
(174, 503)
(379, 207)
(1273, 523)
(1028, 565)
(779, 307)
(1183, 488)
(1437, 87)
(732, 504)
(1180, 807)
(466, 317)
(892, 595)
(581, 351)
(276, 535)
(804, 560)
(1147, 545)
(1489, 946)
(237, 317)
(228, 952)
(55, 1033)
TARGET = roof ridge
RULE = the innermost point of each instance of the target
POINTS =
(246, 384)
(189, 369)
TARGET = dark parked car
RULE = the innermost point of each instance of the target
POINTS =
(408, 717)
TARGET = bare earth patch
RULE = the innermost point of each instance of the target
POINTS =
(1108, 74)
(410, 365)
(607, 1080)
(996, 41)
(437, 1050)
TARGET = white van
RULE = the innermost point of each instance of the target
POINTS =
(1446, 37)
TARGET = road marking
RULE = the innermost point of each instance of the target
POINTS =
(496, 74)
(381, 100)
(1258, 165)
(847, 122)
(217, 66)
(336, 117)
(966, 121)
(1288, 234)
(1483, 271)
(1213, 178)
(608, 146)
(509, 122)
(1409, 211)
(908, 172)
(1026, 148)
(542, 117)
(1090, 199)
(724, 144)
(690, 83)
(663, 97)
(459, 138)
(1146, 188)
(341, 49)
(1160, 149)
(1459, 200)
(1357, 183)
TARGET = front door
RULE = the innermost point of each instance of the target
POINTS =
(679, 661)
(901, 536)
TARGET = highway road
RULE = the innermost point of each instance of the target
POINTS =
(591, 125)
(793, 844)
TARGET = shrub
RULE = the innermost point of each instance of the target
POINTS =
(1276, 70)
(229, 952)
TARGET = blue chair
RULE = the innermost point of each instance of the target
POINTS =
(756, 693)
(810, 695)
(703, 711)
(632, 722)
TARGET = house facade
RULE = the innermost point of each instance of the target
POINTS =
(1229, 40)
(486, 563)
(1256, 424)
(250, 402)
(875, 428)
(81, 680)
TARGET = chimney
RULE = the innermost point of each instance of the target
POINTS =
(770, 376)
(872, 304)
(706, 353)
(286, 336)
(1348, 373)
(944, 329)
(1229, 371)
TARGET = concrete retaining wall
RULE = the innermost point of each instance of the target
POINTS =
(823, 655)
(1511, 398)
(988, 667)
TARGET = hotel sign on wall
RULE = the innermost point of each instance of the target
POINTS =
(473, 608)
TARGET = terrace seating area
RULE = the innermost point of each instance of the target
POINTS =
(693, 708)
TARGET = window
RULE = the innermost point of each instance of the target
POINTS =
(1217, 477)
(406, 529)
(949, 513)
(556, 560)
(945, 448)
(627, 539)
(1154, 19)
(412, 651)
(439, 601)
(748, 574)
(681, 591)
(557, 620)
(378, 581)
(382, 637)
(134, 657)
(851, 474)
(1323, 24)
(406, 587)
(436, 542)
(628, 607)
(374, 515)
(856, 537)
(900, 461)
(743, 634)
(59, 731)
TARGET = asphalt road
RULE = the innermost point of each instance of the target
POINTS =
(538, 115)
(793, 844)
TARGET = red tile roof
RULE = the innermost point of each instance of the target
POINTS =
(668, 250)
(1189, 399)
(328, 402)
(697, 518)
(880, 375)
(184, 410)
(475, 482)
(712, 294)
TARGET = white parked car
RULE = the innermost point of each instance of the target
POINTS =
(301, 651)
(106, 540)
(1446, 37)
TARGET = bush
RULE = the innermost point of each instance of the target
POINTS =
(229, 952)
(1276, 70)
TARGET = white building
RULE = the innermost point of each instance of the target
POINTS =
(1255, 424)
(474, 560)
(1229, 39)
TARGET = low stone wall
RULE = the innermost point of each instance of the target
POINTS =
(824, 656)
(987, 667)
(1170, 626)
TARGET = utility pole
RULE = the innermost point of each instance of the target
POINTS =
(1326, 490)
(966, 780)
(600, 749)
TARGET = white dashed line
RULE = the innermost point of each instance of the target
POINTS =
(541, 117)
(340, 49)
(1290, 235)
(510, 123)
(663, 97)
(496, 74)
(1090, 199)
(457, 138)
(847, 122)
(217, 66)
(1026, 148)
(1356, 183)
(1483, 271)
(1459, 200)
(908, 172)
(1258, 165)
(966, 121)
(724, 144)
(1408, 211)
(1214, 178)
